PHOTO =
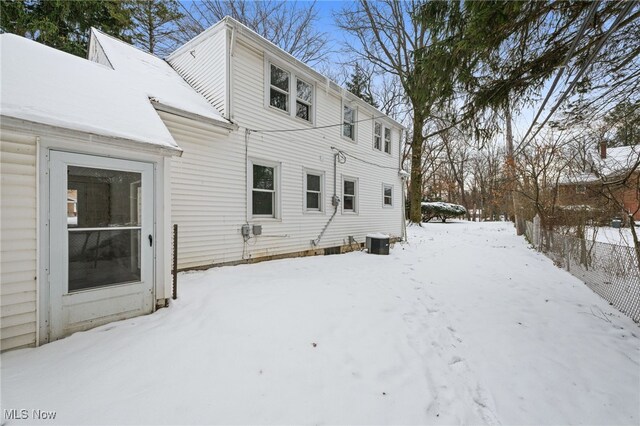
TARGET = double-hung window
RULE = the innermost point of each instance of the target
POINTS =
(387, 195)
(279, 88)
(377, 136)
(263, 193)
(387, 140)
(304, 99)
(286, 91)
(313, 191)
(348, 122)
(349, 194)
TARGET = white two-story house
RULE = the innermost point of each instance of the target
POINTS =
(252, 153)
(307, 166)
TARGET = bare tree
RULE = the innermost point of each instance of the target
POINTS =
(290, 25)
(386, 34)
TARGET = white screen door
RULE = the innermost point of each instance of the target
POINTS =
(101, 241)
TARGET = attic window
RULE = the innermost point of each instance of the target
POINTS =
(279, 88)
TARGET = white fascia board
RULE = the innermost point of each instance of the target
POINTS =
(40, 129)
(177, 111)
(203, 36)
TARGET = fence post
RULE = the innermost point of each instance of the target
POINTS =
(174, 266)
(536, 232)
(567, 257)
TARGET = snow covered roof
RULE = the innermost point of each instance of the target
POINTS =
(619, 160)
(44, 85)
(155, 77)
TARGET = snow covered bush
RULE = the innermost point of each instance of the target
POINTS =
(442, 211)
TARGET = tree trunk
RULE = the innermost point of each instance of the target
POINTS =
(415, 193)
(511, 171)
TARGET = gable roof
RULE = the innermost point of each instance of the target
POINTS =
(268, 46)
(155, 77)
(44, 85)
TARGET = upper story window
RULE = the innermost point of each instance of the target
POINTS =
(348, 122)
(387, 140)
(289, 92)
(304, 99)
(377, 136)
(279, 88)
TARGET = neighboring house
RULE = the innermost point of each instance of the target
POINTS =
(609, 168)
(99, 158)
(281, 180)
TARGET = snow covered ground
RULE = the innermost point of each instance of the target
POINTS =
(607, 234)
(463, 325)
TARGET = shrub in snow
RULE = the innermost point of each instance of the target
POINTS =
(440, 210)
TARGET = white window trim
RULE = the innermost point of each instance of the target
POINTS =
(356, 202)
(306, 172)
(355, 121)
(381, 135)
(277, 190)
(269, 86)
(384, 141)
(294, 76)
(384, 186)
(312, 108)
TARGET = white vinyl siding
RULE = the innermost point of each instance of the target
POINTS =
(204, 67)
(18, 230)
(209, 186)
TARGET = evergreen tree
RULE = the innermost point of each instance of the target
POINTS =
(65, 25)
(360, 85)
(625, 119)
(155, 22)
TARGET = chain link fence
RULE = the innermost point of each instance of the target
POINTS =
(609, 270)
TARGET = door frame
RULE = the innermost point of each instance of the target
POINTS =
(45, 229)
